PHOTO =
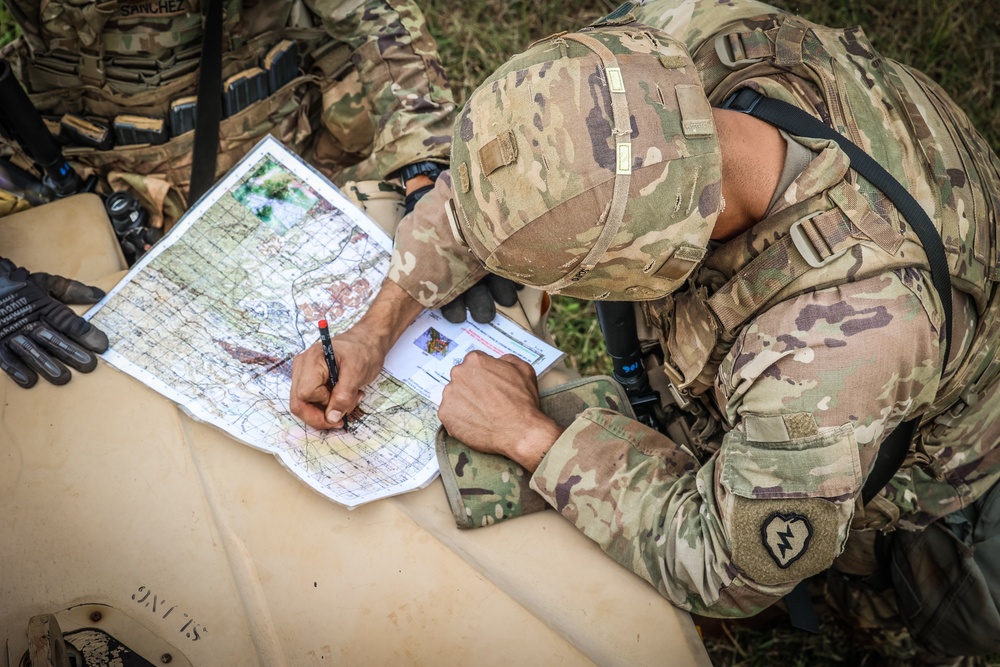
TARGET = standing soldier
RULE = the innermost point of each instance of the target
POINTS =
(800, 317)
(344, 84)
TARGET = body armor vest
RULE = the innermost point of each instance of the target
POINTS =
(102, 59)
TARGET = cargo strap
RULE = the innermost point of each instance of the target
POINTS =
(209, 106)
(894, 448)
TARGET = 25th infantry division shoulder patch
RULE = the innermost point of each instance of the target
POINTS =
(786, 537)
(778, 541)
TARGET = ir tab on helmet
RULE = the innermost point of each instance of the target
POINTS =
(616, 84)
(623, 163)
(696, 112)
(498, 152)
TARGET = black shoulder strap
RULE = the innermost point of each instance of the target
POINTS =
(795, 121)
(209, 105)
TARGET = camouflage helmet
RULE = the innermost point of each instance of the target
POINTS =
(589, 166)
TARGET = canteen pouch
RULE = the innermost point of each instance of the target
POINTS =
(484, 489)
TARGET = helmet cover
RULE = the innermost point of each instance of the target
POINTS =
(589, 166)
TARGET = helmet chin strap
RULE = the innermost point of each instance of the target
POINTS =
(622, 132)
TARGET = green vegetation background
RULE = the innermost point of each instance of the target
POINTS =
(956, 42)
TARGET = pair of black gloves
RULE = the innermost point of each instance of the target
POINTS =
(39, 334)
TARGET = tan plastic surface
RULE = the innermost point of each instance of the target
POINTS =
(111, 495)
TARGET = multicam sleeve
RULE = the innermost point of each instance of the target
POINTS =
(428, 261)
(404, 85)
(811, 389)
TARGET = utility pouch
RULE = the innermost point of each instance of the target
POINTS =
(484, 489)
(183, 115)
(243, 89)
(281, 64)
(947, 579)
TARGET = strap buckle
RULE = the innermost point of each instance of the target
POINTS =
(92, 67)
(725, 49)
(744, 100)
(807, 249)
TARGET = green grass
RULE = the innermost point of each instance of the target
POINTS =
(956, 42)
(8, 29)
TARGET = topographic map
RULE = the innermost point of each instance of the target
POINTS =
(214, 314)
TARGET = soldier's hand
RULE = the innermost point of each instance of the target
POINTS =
(493, 406)
(480, 300)
(39, 334)
(358, 363)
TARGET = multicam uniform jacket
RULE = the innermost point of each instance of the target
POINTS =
(807, 370)
(368, 72)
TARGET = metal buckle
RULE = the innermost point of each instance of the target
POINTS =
(451, 212)
(806, 248)
(737, 101)
(682, 400)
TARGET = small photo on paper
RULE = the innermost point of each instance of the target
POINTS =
(434, 343)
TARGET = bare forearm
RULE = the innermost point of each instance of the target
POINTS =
(492, 405)
(390, 313)
(361, 353)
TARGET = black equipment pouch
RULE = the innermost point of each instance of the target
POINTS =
(183, 113)
(281, 64)
(947, 579)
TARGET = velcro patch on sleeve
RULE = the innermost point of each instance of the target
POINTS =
(785, 540)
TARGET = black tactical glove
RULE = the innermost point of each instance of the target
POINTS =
(479, 299)
(37, 332)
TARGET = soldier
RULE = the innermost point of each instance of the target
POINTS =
(368, 74)
(793, 303)
(357, 88)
